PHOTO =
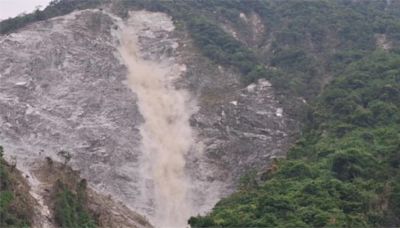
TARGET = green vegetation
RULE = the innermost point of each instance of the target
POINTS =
(344, 171)
(55, 8)
(16, 204)
(310, 42)
(209, 37)
(15, 207)
(70, 210)
(314, 41)
(224, 49)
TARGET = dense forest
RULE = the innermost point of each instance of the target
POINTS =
(344, 170)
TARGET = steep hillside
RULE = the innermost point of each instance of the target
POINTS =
(261, 37)
(344, 171)
(175, 126)
(66, 197)
(161, 102)
(16, 205)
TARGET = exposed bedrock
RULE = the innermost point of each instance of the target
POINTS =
(64, 85)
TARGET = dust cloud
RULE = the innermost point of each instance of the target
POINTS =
(166, 133)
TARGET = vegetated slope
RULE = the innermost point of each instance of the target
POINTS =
(54, 9)
(303, 44)
(345, 169)
(70, 199)
(341, 171)
(74, 204)
(303, 41)
(16, 205)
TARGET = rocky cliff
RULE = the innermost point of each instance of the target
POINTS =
(67, 84)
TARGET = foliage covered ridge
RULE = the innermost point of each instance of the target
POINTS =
(344, 171)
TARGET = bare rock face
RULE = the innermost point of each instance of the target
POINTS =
(63, 87)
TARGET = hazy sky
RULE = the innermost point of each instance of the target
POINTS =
(11, 8)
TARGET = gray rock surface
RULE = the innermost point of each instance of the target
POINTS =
(62, 88)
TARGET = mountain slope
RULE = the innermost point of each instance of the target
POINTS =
(253, 69)
(65, 88)
(344, 171)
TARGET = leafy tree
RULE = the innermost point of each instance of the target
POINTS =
(70, 208)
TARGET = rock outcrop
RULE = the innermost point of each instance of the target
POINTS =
(63, 86)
